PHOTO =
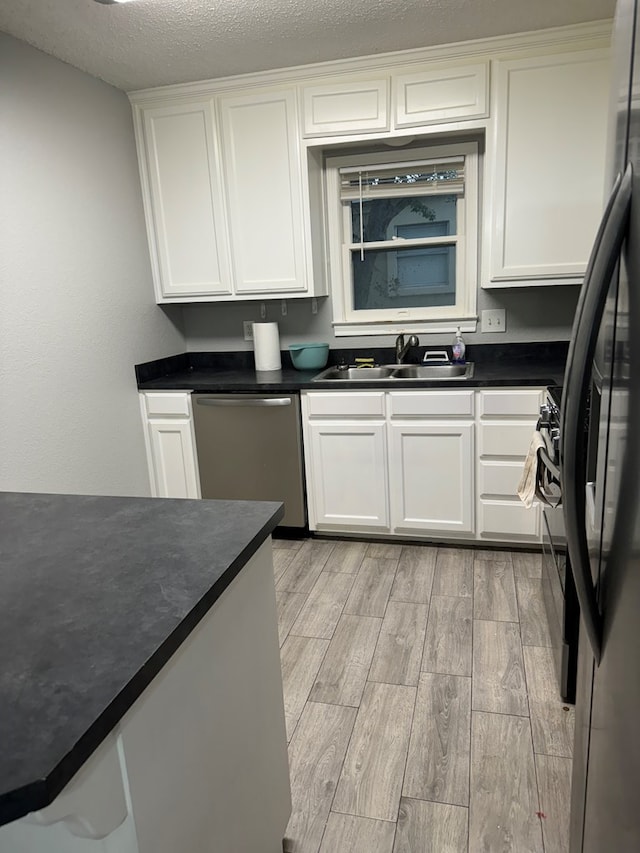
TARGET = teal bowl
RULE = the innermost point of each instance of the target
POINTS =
(309, 356)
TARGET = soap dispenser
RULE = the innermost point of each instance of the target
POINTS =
(459, 348)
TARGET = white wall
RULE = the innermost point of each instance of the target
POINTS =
(76, 298)
(533, 314)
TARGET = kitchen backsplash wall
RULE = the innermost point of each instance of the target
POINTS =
(532, 314)
(76, 298)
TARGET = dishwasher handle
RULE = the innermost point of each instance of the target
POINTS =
(244, 401)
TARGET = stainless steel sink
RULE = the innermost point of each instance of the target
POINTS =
(358, 374)
(434, 371)
(397, 373)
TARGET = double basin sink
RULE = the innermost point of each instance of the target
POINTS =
(397, 372)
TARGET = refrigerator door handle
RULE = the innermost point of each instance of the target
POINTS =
(586, 326)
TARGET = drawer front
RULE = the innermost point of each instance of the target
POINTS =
(353, 405)
(499, 478)
(443, 94)
(506, 439)
(346, 108)
(508, 520)
(511, 403)
(162, 404)
(431, 403)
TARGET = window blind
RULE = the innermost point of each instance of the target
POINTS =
(424, 177)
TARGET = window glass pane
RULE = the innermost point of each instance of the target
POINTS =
(423, 229)
(385, 218)
(404, 278)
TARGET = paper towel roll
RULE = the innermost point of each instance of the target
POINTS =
(266, 343)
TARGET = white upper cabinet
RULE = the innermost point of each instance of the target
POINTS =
(424, 96)
(546, 169)
(264, 192)
(185, 214)
(346, 107)
(233, 170)
(230, 210)
(441, 94)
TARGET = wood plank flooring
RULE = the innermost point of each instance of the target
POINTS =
(421, 703)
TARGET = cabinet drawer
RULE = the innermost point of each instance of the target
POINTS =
(442, 94)
(508, 520)
(506, 439)
(363, 404)
(499, 478)
(431, 403)
(346, 107)
(167, 404)
(510, 403)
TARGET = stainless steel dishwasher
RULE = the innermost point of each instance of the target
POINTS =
(250, 448)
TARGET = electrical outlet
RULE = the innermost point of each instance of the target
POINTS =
(247, 325)
(493, 320)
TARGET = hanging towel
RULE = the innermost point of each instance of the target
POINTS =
(527, 485)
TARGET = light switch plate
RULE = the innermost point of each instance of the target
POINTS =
(493, 320)
(247, 326)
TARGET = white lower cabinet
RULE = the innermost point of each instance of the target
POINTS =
(347, 474)
(433, 464)
(346, 460)
(170, 444)
(390, 462)
(507, 418)
(431, 477)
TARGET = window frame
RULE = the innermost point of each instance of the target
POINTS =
(445, 318)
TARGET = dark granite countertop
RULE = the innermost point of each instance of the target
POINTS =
(537, 364)
(97, 593)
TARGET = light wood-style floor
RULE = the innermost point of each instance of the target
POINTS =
(420, 698)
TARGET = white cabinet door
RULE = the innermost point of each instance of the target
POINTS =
(353, 107)
(185, 214)
(173, 456)
(431, 477)
(264, 192)
(547, 167)
(347, 474)
(441, 94)
(170, 444)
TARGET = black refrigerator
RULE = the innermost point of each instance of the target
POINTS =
(601, 484)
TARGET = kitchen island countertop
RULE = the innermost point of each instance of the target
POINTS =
(98, 593)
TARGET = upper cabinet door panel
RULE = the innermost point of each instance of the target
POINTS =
(353, 107)
(264, 191)
(440, 95)
(548, 178)
(186, 200)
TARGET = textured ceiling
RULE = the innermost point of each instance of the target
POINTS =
(155, 42)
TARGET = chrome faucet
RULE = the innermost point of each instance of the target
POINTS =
(402, 349)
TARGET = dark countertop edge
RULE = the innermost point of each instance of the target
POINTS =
(549, 375)
(41, 793)
(496, 365)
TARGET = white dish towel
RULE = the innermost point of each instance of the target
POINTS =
(527, 485)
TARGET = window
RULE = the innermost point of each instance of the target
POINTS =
(403, 240)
